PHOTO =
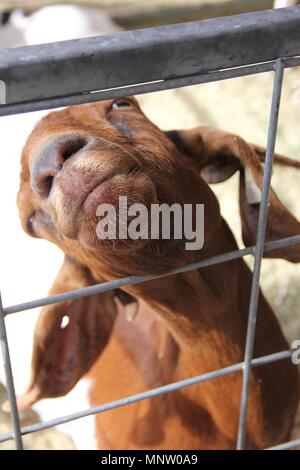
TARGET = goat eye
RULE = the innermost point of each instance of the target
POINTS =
(121, 104)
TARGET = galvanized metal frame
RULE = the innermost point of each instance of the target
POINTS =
(102, 76)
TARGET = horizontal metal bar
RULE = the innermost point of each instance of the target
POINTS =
(286, 445)
(140, 88)
(163, 53)
(150, 393)
(131, 280)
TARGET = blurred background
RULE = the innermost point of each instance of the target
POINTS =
(242, 106)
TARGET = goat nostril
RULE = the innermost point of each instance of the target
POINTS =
(72, 147)
(43, 182)
(51, 159)
(47, 185)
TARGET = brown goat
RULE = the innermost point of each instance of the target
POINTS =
(187, 324)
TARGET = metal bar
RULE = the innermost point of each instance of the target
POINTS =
(140, 88)
(286, 445)
(40, 77)
(131, 280)
(11, 394)
(259, 249)
(77, 66)
(151, 393)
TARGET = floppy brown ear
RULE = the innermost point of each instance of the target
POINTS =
(218, 156)
(69, 336)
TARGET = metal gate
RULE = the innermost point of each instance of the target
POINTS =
(143, 61)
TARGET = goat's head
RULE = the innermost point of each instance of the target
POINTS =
(83, 156)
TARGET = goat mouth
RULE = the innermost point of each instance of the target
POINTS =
(96, 195)
(70, 210)
(100, 192)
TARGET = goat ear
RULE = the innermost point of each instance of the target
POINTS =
(69, 336)
(218, 155)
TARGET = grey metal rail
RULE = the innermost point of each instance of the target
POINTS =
(59, 74)
(162, 53)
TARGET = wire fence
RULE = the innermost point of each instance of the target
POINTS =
(251, 44)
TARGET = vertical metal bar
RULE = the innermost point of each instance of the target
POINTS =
(15, 419)
(260, 239)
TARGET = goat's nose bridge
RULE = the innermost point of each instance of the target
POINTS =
(49, 159)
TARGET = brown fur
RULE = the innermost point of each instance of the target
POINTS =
(187, 324)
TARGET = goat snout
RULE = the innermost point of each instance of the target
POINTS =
(50, 159)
